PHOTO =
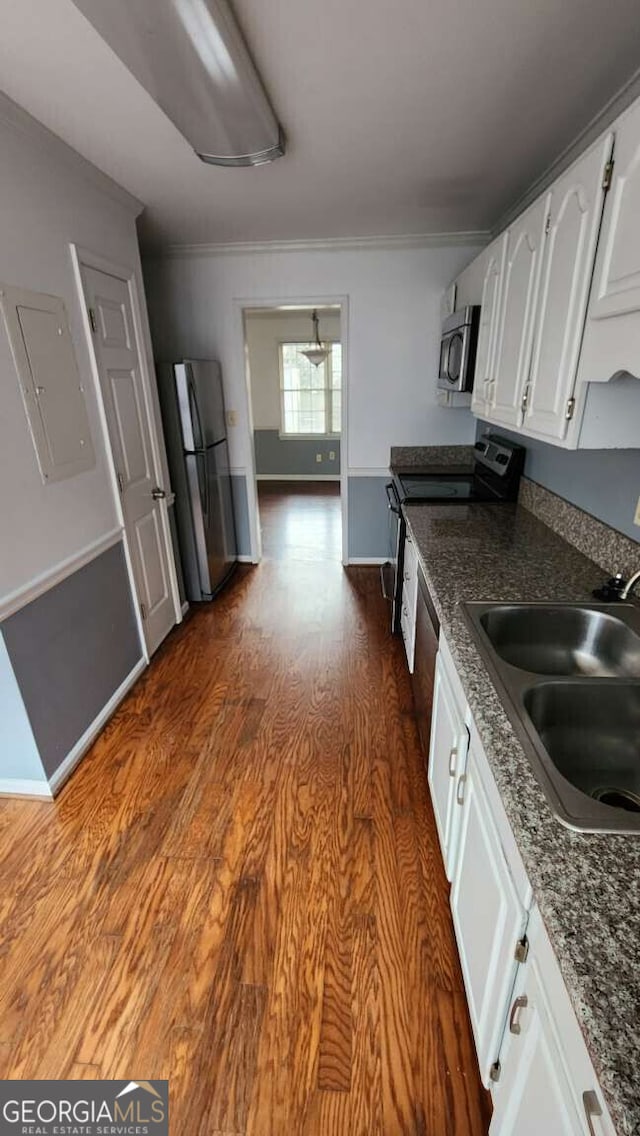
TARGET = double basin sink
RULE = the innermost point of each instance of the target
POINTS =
(569, 679)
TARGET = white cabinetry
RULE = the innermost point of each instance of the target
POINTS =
(493, 260)
(568, 296)
(530, 1048)
(447, 762)
(409, 600)
(547, 1083)
(488, 916)
(612, 333)
(521, 276)
(572, 232)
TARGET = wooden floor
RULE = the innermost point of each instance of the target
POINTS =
(300, 520)
(241, 889)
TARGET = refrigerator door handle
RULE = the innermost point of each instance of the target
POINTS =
(203, 480)
(195, 414)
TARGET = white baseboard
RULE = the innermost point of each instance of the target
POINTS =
(185, 607)
(297, 477)
(57, 779)
(14, 787)
(373, 560)
(246, 560)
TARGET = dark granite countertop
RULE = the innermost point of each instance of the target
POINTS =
(431, 459)
(587, 886)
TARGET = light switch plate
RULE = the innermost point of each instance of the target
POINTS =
(636, 515)
(232, 418)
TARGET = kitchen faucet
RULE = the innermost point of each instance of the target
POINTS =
(630, 585)
(617, 588)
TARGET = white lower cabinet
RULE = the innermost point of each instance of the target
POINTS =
(547, 1083)
(409, 600)
(489, 918)
(447, 763)
(530, 1048)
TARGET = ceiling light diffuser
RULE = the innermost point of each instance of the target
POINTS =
(191, 57)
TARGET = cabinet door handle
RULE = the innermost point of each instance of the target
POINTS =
(592, 1107)
(520, 1004)
(460, 789)
(453, 757)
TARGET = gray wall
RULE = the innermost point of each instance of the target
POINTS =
(241, 512)
(71, 649)
(368, 518)
(295, 456)
(605, 483)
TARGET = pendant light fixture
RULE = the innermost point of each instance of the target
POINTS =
(318, 353)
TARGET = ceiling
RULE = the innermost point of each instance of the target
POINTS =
(421, 116)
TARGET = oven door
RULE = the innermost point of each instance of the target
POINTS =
(391, 571)
(453, 372)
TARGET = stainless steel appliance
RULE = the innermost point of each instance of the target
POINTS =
(458, 349)
(493, 477)
(195, 432)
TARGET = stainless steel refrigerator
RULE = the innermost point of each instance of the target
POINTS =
(195, 432)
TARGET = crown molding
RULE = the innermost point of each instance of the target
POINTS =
(18, 119)
(616, 105)
(324, 244)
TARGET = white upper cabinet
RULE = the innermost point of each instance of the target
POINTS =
(612, 332)
(568, 296)
(494, 256)
(572, 227)
(523, 261)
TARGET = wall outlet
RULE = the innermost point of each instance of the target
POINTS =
(332, 455)
(636, 515)
(318, 457)
(232, 418)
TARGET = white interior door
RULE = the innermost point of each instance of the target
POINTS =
(129, 426)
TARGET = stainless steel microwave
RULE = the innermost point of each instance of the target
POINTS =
(458, 349)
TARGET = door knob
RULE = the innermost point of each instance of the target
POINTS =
(158, 494)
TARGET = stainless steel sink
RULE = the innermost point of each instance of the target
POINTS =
(592, 735)
(558, 640)
(569, 679)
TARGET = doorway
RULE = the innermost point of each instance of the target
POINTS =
(297, 422)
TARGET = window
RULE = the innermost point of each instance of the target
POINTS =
(310, 397)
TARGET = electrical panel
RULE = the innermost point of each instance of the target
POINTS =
(50, 384)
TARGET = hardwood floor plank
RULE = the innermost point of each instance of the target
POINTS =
(334, 1056)
(241, 888)
(366, 1078)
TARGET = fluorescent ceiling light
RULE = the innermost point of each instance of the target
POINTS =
(191, 57)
